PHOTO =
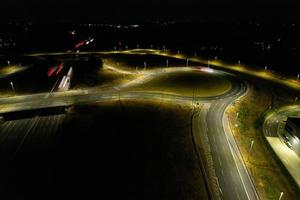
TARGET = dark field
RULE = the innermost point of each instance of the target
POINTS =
(110, 151)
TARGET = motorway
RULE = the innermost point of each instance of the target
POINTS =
(234, 181)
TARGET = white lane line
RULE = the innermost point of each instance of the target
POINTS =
(235, 162)
(232, 153)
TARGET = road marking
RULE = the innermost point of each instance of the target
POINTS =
(234, 158)
(232, 153)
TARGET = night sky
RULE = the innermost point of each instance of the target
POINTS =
(140, 10)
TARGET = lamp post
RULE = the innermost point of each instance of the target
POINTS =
(281, 194)
(12, 87)
(251, 146)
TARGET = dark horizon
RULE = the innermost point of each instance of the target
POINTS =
(135, 11)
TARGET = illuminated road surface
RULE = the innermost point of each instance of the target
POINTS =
(234, 181)
(273, 126)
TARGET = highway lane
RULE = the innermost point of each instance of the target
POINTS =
(232, 176)
(233, 179)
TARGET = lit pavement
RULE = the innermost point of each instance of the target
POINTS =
(272, 130)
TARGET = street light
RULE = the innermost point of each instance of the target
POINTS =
(8, 62)
(281, 194)
(266, 68)
(251, 146)
(298, 76)
(12, 86)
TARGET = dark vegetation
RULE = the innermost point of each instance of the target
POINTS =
(109, 151)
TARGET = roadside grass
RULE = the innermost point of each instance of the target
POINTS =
(191, 84)
(152, 61)
(132, 149)
(104, 78)
(268, 175)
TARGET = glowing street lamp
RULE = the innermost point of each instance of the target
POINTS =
(281, 194)
(251, 146)
(12, 86)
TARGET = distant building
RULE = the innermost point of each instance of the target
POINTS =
(291, 134)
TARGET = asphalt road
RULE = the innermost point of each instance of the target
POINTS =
(233, 178)
(273, 129)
